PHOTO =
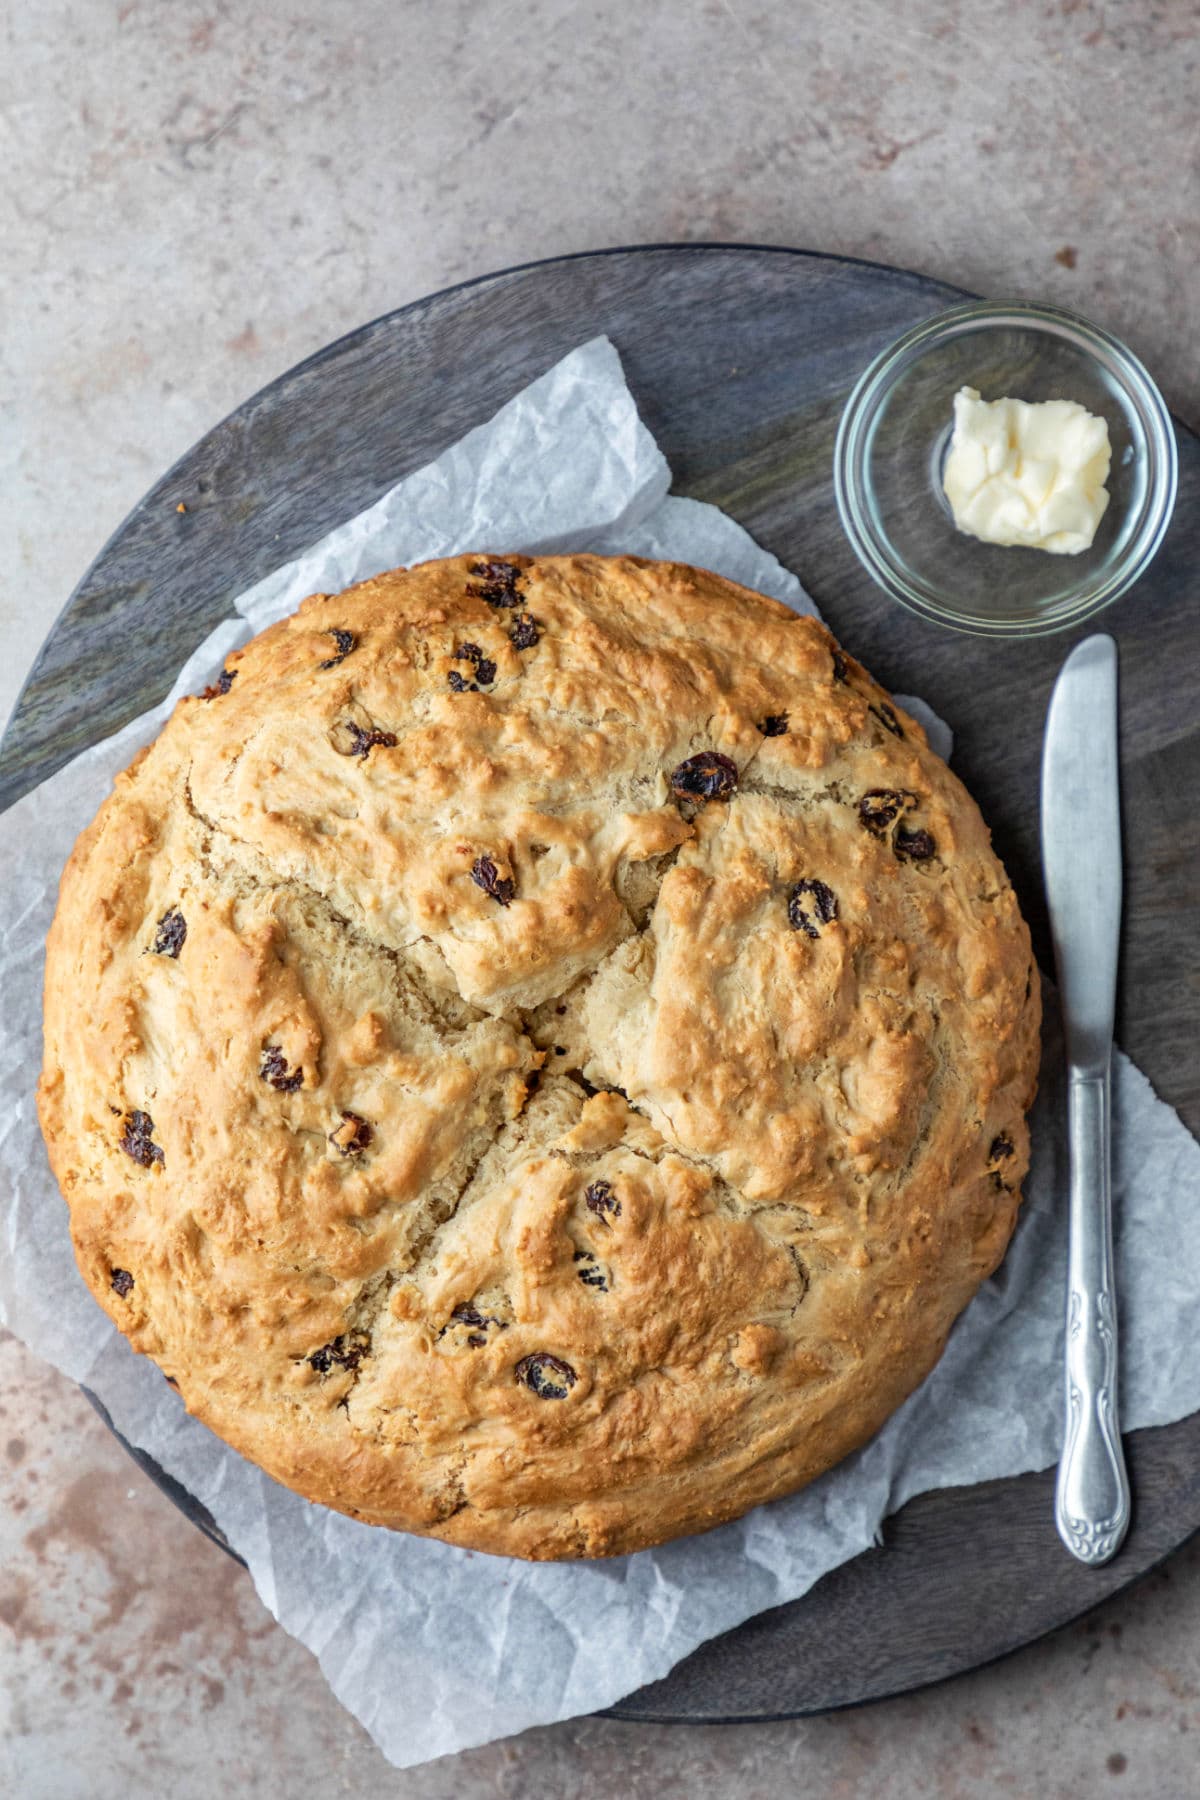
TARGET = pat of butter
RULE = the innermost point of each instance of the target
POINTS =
(1027, 474)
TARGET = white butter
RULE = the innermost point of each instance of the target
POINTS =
(1027, 474)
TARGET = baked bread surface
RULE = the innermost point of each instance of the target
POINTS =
(539, 1053)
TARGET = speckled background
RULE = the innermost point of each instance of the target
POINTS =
(194, 196)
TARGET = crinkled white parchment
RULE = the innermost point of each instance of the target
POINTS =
(434, 1648)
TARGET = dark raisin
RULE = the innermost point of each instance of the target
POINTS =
(352, 1136)
(345, 641)
(774, 725)
(485, 668)
(602, 1201)
(121, 1281)
(559, 1050)
(810, 905)
(499, 582)
(1002, 1147)
(591, 1275)
(273, 1069)
(363, 742)
(221, 685)
(707, 776)
(879, 808)
(913, 846)
(887, 718)
(482, 667)
(170, 933)
(485, 874)
(526, 631)
(345, 1352)
(135, 1141)
(466, 1314)
(840, 668)
(549, 1377)
(495, 569)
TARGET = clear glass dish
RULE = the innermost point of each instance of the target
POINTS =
(893, 441)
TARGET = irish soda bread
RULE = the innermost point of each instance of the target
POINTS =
(538, 1052)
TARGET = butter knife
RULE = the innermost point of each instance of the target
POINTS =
(1081, 860)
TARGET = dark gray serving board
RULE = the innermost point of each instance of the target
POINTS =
(741, 360)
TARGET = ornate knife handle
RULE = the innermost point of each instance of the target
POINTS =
(1091, 1506)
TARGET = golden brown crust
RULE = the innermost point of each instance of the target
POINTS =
(340, 963)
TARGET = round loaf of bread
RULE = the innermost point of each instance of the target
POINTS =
(538, 1053)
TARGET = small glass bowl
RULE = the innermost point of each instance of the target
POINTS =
(893, 441)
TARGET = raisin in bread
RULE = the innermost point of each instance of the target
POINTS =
(539, 1052)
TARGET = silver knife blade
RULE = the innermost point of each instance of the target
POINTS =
(1081, 845)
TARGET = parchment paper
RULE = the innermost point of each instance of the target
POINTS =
(432, 1648)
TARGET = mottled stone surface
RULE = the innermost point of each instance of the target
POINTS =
(136, 1661)
(194, 197)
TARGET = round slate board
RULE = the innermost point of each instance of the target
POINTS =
(740, 360)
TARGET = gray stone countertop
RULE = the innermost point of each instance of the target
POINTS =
(195, 196)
